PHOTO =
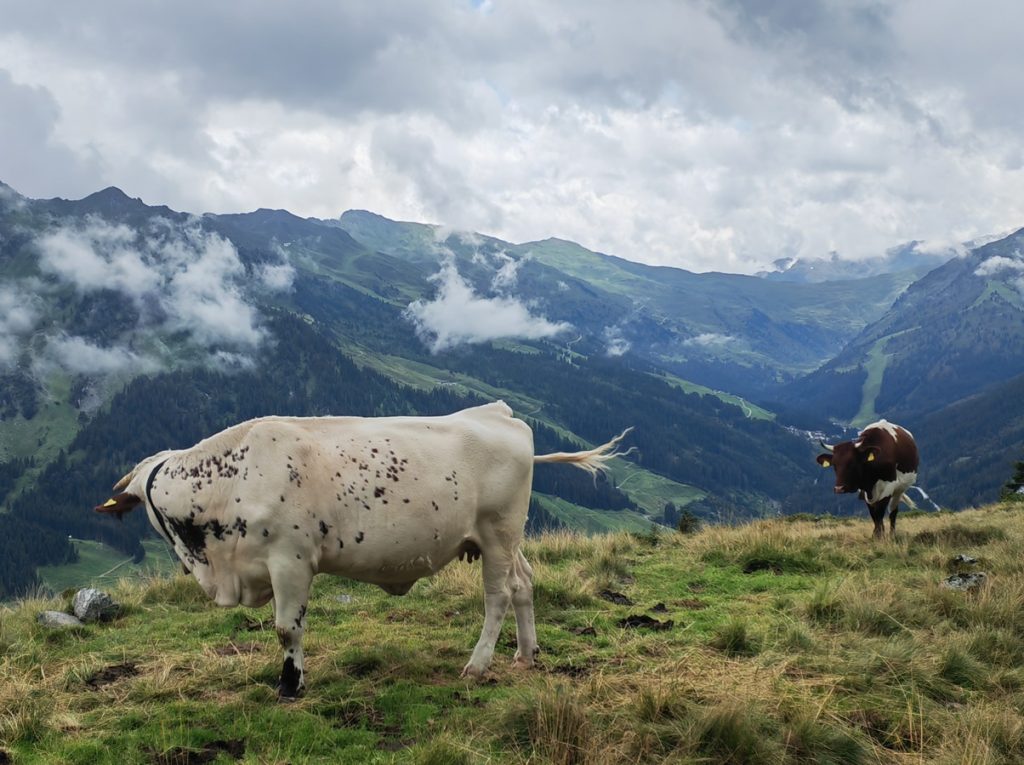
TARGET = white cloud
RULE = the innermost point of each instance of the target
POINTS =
(507, 275)
(77, 355)
(180, 278)
(458, 315)
(96, 256)
(18, 315)
(709, 339)
(277, 277)
(615, 342)
(999, 264)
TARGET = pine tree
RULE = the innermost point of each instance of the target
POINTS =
(1013, 490)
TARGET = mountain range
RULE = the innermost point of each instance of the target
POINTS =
(127, 328)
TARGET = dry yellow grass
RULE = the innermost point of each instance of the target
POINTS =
(833, 648)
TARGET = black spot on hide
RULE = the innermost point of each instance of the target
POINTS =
(323, 528)
(191, 535)
(359, 537)
(217, 529)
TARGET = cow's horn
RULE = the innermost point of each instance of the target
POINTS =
(826, 447)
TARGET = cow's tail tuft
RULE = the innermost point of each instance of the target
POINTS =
(905, 497)
(592, 460)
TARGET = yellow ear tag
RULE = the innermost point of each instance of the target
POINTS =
(110, 503)
(871, 456)
(826, 463)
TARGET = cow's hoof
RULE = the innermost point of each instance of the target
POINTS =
(525, 662)
(473, 672)
(287, 695)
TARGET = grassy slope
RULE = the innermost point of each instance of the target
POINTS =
(101, 566)
(753, 411)
(874, 364)
(850, 653)
(592, 521)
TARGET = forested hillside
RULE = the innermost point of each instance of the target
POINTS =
(130, 329)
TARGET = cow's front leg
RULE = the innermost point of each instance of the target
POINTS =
(291, 594)
(497, 564)
(877, 510)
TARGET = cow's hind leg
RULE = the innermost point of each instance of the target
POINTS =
(877, 510)
(291, 594)
(497, 564)
(894, 508)
(521, 584)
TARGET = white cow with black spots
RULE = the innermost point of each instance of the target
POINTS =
(257, 510)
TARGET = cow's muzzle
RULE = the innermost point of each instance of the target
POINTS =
(843, 490)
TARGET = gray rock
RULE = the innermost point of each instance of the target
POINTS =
(58, 619)
(964, 582)
(92, 605)
(964, 560)
(343, 598)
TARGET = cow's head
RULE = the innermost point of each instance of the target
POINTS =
(850, 461)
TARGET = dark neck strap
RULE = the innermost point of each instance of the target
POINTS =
(149, 496)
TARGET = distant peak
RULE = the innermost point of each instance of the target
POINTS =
(363, 214)
(110, 192)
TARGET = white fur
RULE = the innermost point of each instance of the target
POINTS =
(895, 489)
(890, 428)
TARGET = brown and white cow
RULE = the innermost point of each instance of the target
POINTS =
(257, 510)
(881, 465)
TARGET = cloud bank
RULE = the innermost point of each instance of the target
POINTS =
(181, 280)
(457, 315)
(712, 136)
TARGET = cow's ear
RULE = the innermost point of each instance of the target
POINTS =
(870, 453)
(119, 504)
(825, 460)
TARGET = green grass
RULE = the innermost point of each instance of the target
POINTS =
(51, 430)
(845, 650)
(875, 366)
(99, 565)
(875, 363)
(592, 521)
(997, 288)
(753, 411)
(650, 491)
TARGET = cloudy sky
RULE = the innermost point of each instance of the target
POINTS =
(708, 135)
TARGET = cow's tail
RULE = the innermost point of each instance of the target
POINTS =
(592, 460)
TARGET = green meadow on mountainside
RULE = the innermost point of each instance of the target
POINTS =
(791, 641)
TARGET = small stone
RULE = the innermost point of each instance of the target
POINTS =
(343, 598)
(58, 619)
(91, 605)
(964, 582)
(964, 560)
